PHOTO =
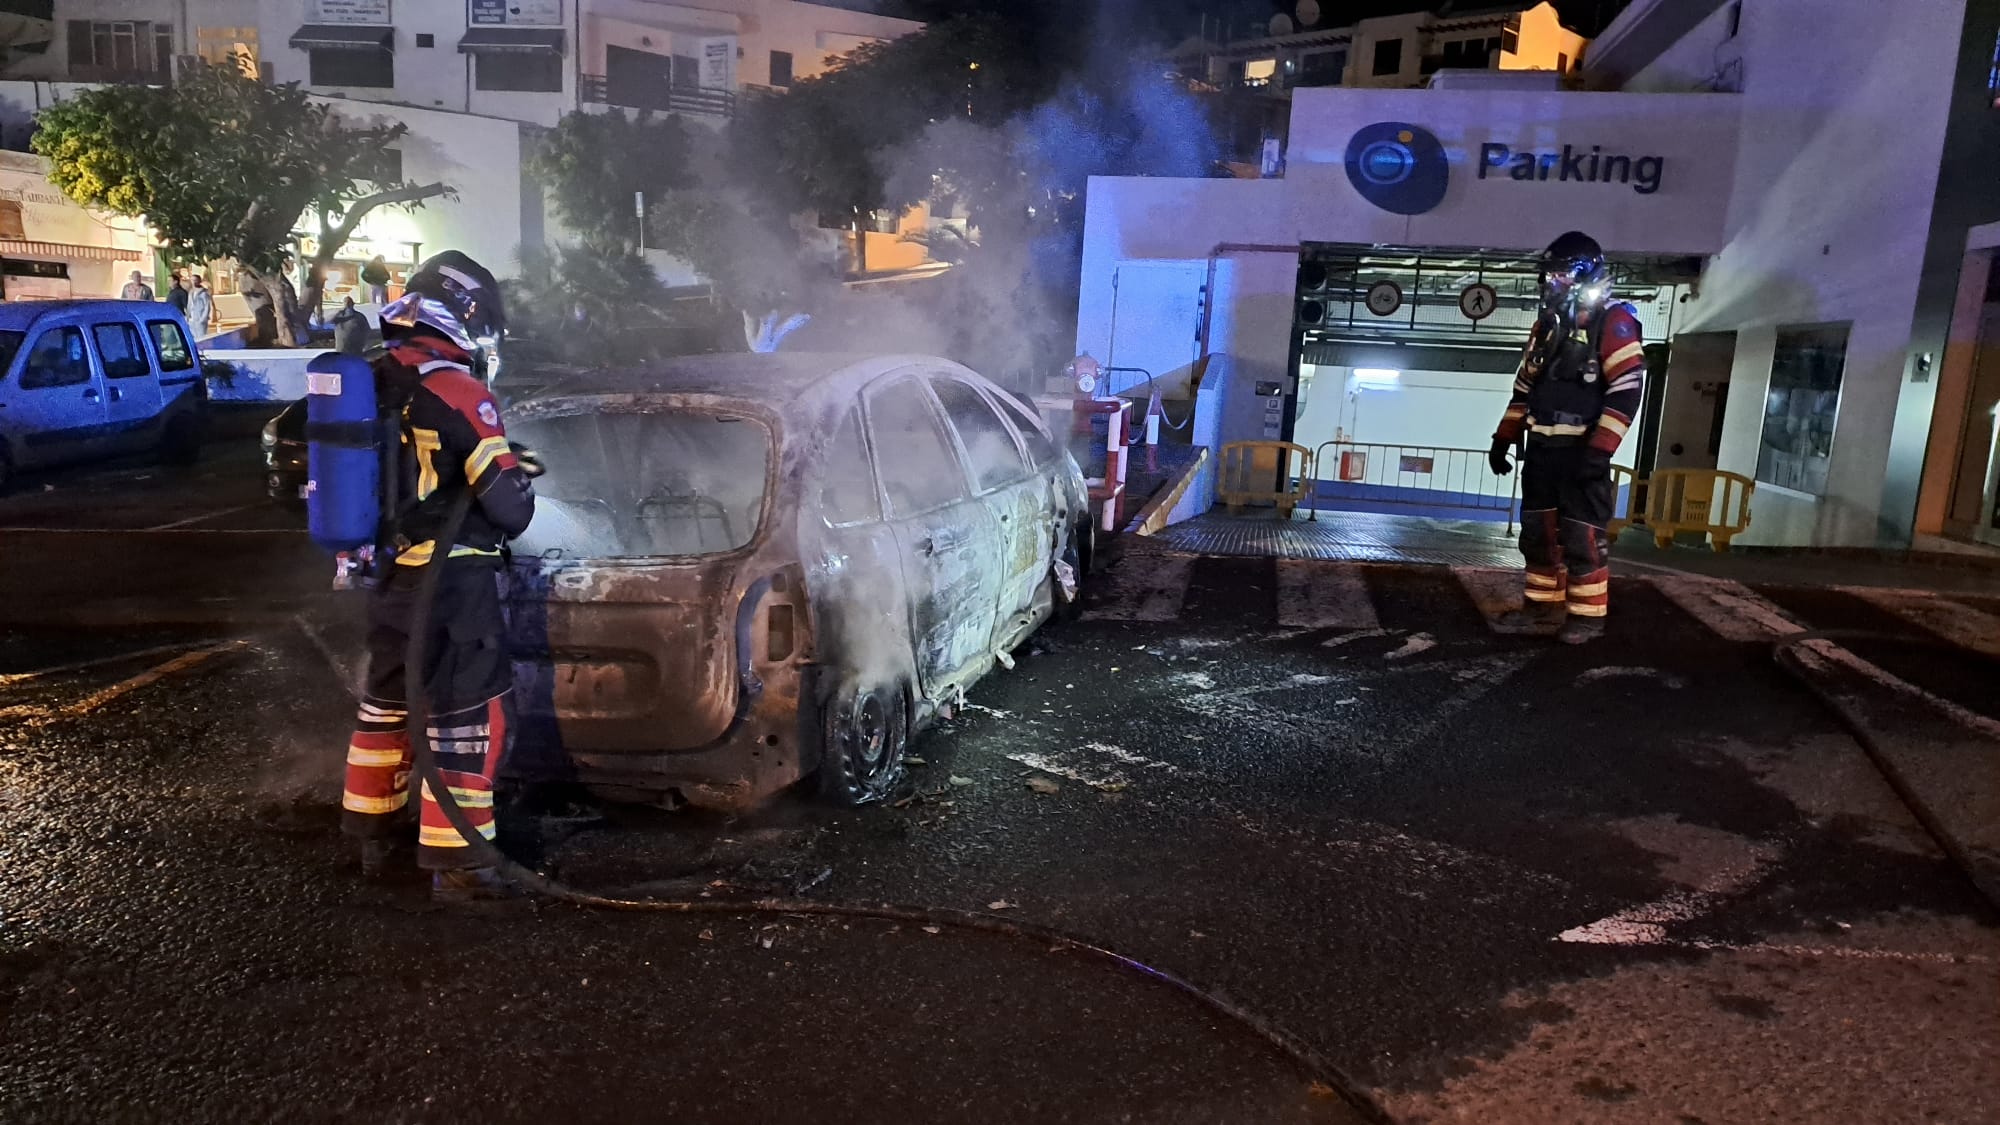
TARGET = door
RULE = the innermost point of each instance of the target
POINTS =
(945, 537)
(1016, 499)
(56, 411)
(639, 79)
(131, 385)
(1693, 389)
(1155, 321)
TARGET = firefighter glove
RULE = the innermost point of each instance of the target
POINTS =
(1497, 457)
(529, 460)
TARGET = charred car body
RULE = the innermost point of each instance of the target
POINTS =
(746, 570)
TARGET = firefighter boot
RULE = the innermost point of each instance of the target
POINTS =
(1532, 617)
(470, 884)
(1580, 629)
(377, 853)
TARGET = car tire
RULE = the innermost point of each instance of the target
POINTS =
(180, 441)
(864, 734)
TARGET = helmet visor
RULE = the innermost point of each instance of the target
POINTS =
(414, 309)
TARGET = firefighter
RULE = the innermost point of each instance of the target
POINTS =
(452, 440)
(1577, 392)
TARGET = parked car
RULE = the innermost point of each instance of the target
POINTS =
(81, 380)
(749, 570)
(284, 444)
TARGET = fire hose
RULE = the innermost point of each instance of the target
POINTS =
(424, 765)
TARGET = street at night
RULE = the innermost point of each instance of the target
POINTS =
(1327, 792)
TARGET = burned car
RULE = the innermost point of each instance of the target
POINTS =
(748, 570)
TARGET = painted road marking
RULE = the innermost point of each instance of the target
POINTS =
(207, 516)
(1962, 625)
(1646, 924)
(1153, 592)
(1731, 610)
(102, 696)
(1493, 593)
(11, 678)
(1320, 595)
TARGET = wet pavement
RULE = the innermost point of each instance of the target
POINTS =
(1486, 878)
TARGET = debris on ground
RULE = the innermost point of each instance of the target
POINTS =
(999, 904)
(960, 782)
(1044, 786)
(1421, 642)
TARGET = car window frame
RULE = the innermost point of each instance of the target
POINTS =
(90, 368)
(1003, 400)
(947, 431)
(970, 468)
(159, 357)
(137, 336)
(855, 408)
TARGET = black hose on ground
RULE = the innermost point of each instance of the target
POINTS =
(424, 765)
(1787, 659)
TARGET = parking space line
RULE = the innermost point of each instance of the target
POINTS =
(102, 696)
(204, 517)
(8, 678)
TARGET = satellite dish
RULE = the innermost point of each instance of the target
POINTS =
(1281, 24)
(1308, 12)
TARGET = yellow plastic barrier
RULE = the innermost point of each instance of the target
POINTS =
(1710, 501)
(1635, 501)
(1250, 470)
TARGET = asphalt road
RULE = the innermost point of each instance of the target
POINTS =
(1487, 878)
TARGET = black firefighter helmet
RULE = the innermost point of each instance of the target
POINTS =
(1574, 275)
(450, 296)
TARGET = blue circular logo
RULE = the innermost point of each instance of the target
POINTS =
(1398, 167)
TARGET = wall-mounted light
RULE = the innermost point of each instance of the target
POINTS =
(1384, 377)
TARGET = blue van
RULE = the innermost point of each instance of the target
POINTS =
(81, 380)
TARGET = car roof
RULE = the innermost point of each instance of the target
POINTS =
(23, 314)
(777, 380)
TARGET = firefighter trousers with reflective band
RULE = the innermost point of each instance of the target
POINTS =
(1563, 520)
(466, 691)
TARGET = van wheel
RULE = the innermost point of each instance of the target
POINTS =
(180, 442)
(864, 733)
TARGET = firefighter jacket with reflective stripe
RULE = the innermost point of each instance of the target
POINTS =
(1579, 384)
(451, 440)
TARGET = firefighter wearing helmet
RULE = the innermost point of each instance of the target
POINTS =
(452, 441)
(1577, 392)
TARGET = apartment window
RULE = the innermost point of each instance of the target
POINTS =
(1562, 63)
(529, 71)
(120, 49)
(348, 69)
(1800, 407)
(1510, 37)
(1388, 57)
(1323, 68)
(1467, 53)
(426, 39)
(687, 72)
(781, 68)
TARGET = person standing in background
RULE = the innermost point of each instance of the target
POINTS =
(200, 306)
(136, 288)
(350, 329)
(177, 294)
(375, 275)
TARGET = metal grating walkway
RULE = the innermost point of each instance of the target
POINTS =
(1349, 536)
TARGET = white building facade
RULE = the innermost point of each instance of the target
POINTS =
(1795, 253)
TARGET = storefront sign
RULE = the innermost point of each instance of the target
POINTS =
(514, 13)
(1644, 173)
(348, 11)
(718, 63)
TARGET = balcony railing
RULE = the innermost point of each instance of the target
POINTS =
(691, 100)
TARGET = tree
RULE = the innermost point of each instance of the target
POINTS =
(595, 163)
(224, 166)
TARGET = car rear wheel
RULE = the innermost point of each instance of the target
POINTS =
(865, 732)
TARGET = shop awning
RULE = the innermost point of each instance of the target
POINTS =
(23, 249)
(481, 40)
(343, 37)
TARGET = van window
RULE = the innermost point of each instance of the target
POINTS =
(10, 346)
(119, 348)
(172, 344)
(918, 470)
(847, 485)
(56, 360)
(996, 462)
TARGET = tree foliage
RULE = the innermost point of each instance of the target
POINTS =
(594, 163)
(222, 165)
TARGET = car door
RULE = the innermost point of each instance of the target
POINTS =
(1001, 478)
(131, 385)
(945, 537)
(57, 407)
(863, 616)
(175, 359)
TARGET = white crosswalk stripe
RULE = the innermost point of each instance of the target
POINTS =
(1323, 595)
(1962, 625)
(1731, 610)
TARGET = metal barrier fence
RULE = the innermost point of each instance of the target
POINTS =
(1413, 476)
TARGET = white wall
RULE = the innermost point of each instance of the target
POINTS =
(1446, 409)
(481, 158)
(1837, 163)
(1705, 55)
